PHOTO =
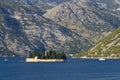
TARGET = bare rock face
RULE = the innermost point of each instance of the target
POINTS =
(24, 30)
(72, 26)
(92, 19)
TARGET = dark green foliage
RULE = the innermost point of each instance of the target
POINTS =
(34, 54)
(52, 54)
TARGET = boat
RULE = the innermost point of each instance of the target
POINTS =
(13, 55)
(101, 59)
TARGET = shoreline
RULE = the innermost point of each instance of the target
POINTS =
(97, 57)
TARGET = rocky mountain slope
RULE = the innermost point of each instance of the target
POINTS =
(72, 26)
(23, 29)
(93, 19)
(108, 47)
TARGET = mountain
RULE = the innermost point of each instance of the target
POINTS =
(71, 26)
(93, 19)
(23, 29)
(108, 47)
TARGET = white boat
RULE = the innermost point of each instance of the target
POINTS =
(13, 55)
(101, 59)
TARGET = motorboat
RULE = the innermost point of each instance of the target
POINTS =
(101, 59)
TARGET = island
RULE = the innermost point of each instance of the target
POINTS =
(47, 56)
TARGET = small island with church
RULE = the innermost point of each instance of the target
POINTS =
(47, 56)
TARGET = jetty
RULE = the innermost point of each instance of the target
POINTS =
(43, 60)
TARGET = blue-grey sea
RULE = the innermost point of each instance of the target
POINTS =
(15, 68)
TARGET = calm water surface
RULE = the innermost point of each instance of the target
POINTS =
(73, 69)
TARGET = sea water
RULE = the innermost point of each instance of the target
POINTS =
(15, 68)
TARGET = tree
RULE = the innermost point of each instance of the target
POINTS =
(52, 54)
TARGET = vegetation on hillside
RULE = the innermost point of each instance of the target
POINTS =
(108, 47)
